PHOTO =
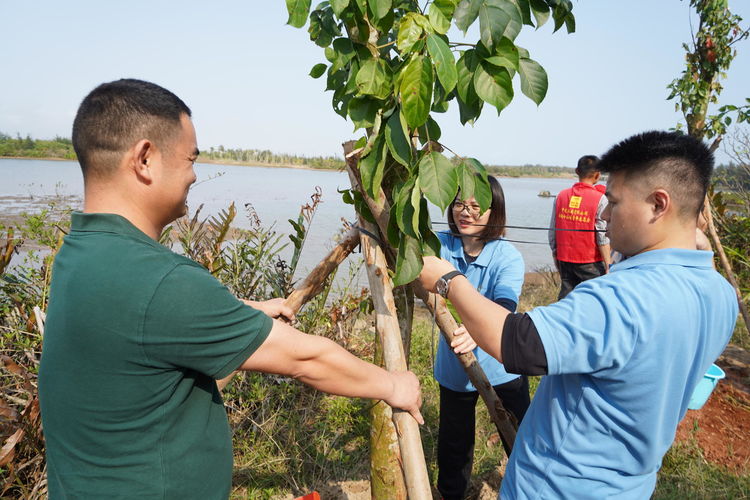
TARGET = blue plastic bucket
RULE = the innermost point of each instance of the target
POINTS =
(705, 387)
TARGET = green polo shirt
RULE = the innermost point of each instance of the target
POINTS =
(135, 337)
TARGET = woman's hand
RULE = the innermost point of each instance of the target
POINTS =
(462, 341)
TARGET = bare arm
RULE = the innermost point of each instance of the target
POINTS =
(606, 252)
(325, 365)
(483, 318)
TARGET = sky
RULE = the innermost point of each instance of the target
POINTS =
(244, 74)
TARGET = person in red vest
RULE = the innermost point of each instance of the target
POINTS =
(576, 236)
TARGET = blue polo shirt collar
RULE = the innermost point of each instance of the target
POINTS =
(108, 223)
(456, 248)
(669, 256)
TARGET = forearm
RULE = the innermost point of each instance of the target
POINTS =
(334, 370)
(320, 363)
(606, 252)
(483, 318)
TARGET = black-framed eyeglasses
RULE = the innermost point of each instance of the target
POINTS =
(471, 208)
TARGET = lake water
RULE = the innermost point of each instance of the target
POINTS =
(277, 194)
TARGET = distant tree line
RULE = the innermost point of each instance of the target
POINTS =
(266, 157)
(62, 147)
(732, 176)
(26, 147)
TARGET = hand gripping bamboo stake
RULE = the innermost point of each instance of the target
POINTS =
(313, 284)
(504, 423)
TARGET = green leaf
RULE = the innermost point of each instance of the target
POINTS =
(393, 233)
(505, 55)
(409, 32)
(540, 10)
(380, 8)
(362, 111)
(338, 6)
(482, 190)
(397, 138)
(469, 112)
(495, 18)
(403, 207)
(374, 78)
(430, 244)
(430, 131)
(533, 80)
(466, 13)
(416, 91)
(416, 205)
(408, 261)
(340, 53)
(493, 85)
(466, 181)
(525, 9)
(318, 70)
(371, 168)
(465, 68)
(442, 58)
(437, 179)
(440, 23)
(298, 10)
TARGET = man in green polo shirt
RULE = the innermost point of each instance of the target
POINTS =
(137, 335)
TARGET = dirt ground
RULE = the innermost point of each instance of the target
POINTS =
(722, 426)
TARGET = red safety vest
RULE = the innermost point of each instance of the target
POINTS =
(575, 208)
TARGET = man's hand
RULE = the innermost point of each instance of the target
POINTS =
(274, 308)
(406, 394)
(434, 268)
(462, 342)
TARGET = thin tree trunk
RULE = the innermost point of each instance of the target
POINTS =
(386, 324)
(386, 474)
(313, 284)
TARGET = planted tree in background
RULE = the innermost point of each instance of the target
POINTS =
(707, 59)
(391, 67)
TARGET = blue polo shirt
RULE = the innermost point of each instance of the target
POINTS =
(498, 274)
(624, 353)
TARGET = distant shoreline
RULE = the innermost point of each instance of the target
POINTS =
(289, 165)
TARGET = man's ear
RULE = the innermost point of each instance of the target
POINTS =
(661, 203)
(141, 160)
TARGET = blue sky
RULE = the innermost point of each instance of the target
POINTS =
(244, 73)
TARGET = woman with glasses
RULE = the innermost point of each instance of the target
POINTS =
(474, 245)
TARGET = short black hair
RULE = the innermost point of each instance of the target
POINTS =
(117, 114)
(495, 227)
(587, 166)
(677, 162)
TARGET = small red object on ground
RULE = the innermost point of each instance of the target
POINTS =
(310, 496)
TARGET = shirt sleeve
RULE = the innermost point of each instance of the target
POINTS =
(521, 346)
(552, 233)
(600, 225)
(194, 322)
(508, 279)
(589, 331)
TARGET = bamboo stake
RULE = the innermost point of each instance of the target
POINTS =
(504, 422)
(313, 284)
(386, 324)
(708, 214)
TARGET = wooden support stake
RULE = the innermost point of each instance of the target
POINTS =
(313, 284)
(708, 214)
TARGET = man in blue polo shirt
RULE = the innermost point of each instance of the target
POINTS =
(622, 352)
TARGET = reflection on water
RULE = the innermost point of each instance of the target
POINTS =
(276, 194)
